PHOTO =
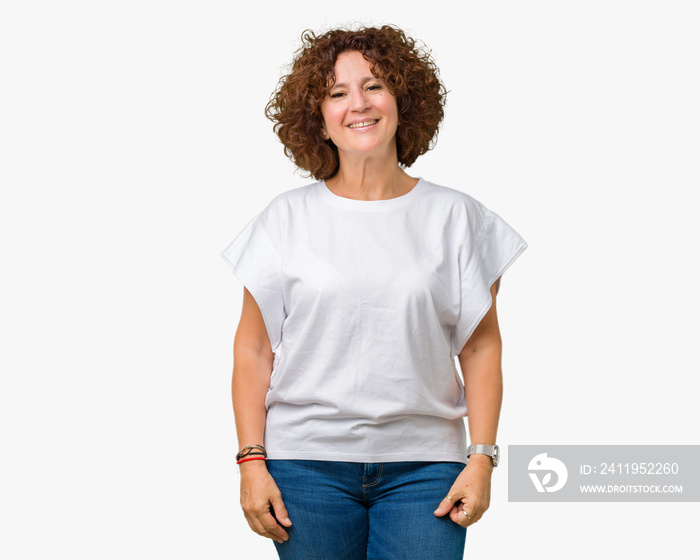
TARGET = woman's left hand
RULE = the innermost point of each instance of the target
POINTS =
(470, 495)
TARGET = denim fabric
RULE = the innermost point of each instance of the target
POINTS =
(367, 511)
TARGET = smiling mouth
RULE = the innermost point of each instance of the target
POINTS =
(363, 124)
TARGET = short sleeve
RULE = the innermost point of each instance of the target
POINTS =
(257, 264)
(494, 248)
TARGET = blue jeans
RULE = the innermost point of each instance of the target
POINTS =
(367, 511)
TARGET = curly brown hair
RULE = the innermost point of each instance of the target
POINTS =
(410, 75)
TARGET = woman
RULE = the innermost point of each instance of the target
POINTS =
(359, 291)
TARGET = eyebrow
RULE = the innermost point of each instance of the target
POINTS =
(364, 81)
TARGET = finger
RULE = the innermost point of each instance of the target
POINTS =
(274, 529)
(466, 515)
(280, 511)
(446, 505)
(458, 517)
(474, 518)
(266, 526)
(257, 527)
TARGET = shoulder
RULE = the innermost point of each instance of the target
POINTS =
(285, 205)
(292, 198)
(295, 195)
(289, 199)
(461, 206)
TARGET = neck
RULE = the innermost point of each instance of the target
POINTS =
(370, 179)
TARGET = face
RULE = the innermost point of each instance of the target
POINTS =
(360, 113)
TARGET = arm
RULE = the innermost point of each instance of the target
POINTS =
(480, 361)
(252, 366)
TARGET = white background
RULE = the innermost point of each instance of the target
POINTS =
(134, 148)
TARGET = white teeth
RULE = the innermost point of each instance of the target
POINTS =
(364, 123)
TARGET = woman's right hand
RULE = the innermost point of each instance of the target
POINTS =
(259, 492)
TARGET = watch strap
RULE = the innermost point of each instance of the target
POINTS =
(481, 448)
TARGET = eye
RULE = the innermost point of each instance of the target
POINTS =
(374, 87)
(337, 95)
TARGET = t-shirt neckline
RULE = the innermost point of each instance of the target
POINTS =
(371, 205)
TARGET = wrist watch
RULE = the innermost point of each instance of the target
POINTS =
(490, 450)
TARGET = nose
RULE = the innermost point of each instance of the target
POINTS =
(359, 101)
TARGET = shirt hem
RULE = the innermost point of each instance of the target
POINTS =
(368, 458)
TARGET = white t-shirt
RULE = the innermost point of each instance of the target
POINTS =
(366, 304)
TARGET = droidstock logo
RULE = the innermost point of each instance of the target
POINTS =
(544, 466)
